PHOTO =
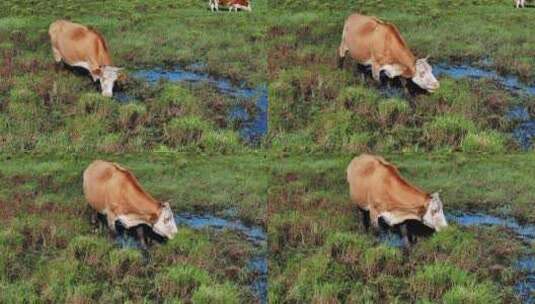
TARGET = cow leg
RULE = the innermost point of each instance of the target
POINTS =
(141, 237)
(405, 235)
(57, 55)
(376, 72)
(374, 219)
(412, 238)
(94, 218)
(404, 84)
(365, 219)
(342, 51)
(111, 224)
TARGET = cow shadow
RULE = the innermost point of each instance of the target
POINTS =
(128, 237)
(389, 87)
(416, 229)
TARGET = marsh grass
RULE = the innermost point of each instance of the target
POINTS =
(320, 252)
(52, 108)
(306, 89)
(50, 252)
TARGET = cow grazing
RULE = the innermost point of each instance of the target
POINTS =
(371, 41)
(230, 4)
(520, 3)
(116, 193)
(81, 46)
(381, 192)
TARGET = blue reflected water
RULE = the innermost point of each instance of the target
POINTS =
(253, 128)
(526, 264)
(254, 234)
(525, 130)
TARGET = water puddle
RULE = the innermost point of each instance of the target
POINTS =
(509, 82)
(526, 264)
(525, 130)
(254, 234)
(253, 128)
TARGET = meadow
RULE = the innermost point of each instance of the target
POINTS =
(45, 107)
(50, 251)
(319, 251)
(314, 107)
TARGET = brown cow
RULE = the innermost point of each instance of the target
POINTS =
(81, 46)
(231, 4)
(116, 193)
(377, 188)
(371, 41)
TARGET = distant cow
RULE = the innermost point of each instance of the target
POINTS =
(520, 3)
(230, 4)
(81, 46)
(371, 41)
(380, 192)
(116, 193)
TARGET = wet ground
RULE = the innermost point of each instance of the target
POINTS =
(525, 288)
(256, 235)
(254, 126)
(525, 128)
(524, 132)
(509, 82)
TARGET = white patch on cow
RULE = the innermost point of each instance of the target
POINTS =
(130, 221)
(393, 218)
(367, 62)
(242, 7)
(214, 5)
(166, 225)
(392, 70)
(434, 215)
(82, 64)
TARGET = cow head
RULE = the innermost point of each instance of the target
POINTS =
(424, 76)
(165, 225)
(107, 76)
(434, 215)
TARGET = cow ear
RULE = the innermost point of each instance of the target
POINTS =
(96, 73)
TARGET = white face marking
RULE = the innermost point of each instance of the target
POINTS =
(109, 76)
(434, 215)
(166, 225)
(424, 77)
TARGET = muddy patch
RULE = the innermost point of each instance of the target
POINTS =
(525, 288)
(253, 128)
(524, 131)
(254, 234)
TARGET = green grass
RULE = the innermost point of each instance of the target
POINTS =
(50, 252)
(327, 110)
(319, 251)
(48, 109)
